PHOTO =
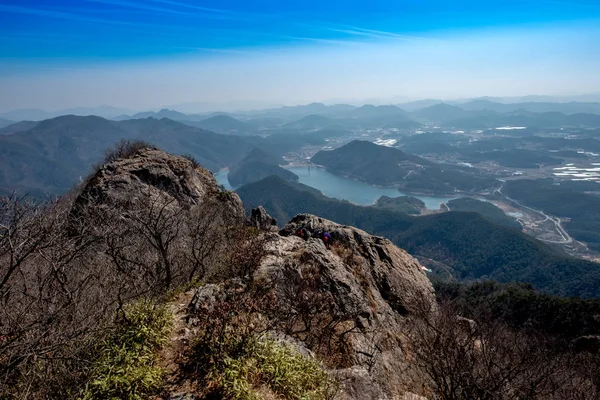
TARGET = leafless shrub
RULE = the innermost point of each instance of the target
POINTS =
(460, 359)
(125, 148)
(308, 311)
(193, 160)
(63, 275)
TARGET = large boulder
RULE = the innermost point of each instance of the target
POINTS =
(150, 173)
(361, 291)
(259, 218)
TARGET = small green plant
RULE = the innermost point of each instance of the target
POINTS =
(126, 367)
(278, 367)
(235, 361)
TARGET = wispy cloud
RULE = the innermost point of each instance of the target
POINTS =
(380, 34)
(192, 6)
(181, 9)
(139, 6)
(74, 17)
(357, 31)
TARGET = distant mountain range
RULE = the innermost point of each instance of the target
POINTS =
(471, 114)
(224, 124)
(39, 115)
(52, 155)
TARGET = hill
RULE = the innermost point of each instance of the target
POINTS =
(223, 124)
(17, 127)
(5, 122)
(441, 113)
(485, 209)
(258, 165)
(369, 111)
(40, 115)
(164, 113)
(404, 204)
(55, 154)
(463, 244)
(386, 166)
(312, 121)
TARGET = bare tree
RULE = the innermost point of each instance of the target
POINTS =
(461, 359)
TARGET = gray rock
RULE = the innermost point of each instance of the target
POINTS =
(260, 219)
(149, 174)
(367, 282)
(356, 384)
(205, 298)
(363, 287)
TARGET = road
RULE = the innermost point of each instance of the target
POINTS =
(557, 223)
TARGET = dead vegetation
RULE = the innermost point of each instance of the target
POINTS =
(485, 359)
(64, 277)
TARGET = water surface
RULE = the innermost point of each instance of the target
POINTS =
(346, 189)
(354, 191)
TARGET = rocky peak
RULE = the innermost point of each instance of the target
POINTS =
(150, 172)
(396, 274)
(359, 292)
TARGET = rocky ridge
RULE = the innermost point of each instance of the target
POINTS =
(364, 288)
(356, 295)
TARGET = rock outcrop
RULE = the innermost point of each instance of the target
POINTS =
(150, 173)
(354, 297)
(348, 303)
(366, 282)
(261, 220)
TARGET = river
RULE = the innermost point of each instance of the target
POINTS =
(346, 189)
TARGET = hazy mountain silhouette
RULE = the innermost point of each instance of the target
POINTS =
(55, 154)
(5, 122)
(223, 124)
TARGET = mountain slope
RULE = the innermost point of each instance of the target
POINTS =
(258, 165)
(223, 124)
(17, 127)
(312, 121)
(487, 210)
(5, 122)
(55, 154)
(441, 113)
(471, 246)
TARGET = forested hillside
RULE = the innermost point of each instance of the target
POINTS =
(581, 208)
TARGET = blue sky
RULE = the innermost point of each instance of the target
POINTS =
(150, 53)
